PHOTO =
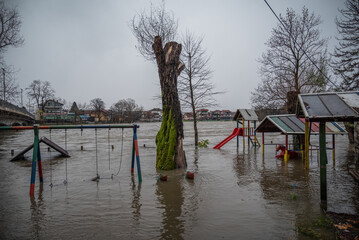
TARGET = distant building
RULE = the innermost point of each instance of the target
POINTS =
(156, 114)
(188, 116)
(203, 114)
(52, 111)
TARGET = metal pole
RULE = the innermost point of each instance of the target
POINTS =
(133, 152)
(39, 163)
(137, 155)
(22, 103)
(34, 158)
(237, 134)
(323, 167)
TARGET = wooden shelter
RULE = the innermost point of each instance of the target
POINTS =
(289, 124)
(322, 108)
(247, 115)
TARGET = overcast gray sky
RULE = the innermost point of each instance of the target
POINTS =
(85, 48)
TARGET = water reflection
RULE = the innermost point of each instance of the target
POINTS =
(136, 204)
(170, 196)
(37, 215)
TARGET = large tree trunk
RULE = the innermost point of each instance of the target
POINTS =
(169, 139)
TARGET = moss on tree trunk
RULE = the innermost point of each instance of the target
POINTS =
(169, 139)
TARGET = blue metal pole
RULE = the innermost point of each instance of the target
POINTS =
(34, 158)
(137, 154)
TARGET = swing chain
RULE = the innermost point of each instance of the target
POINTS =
(50, 164)
(65, 181)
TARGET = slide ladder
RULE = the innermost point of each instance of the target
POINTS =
(236, 131)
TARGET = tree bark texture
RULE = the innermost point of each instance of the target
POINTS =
(169, 139)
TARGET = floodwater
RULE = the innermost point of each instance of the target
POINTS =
(236, 194)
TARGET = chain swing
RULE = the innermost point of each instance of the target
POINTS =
(50, 163)
(97, 176)
(119, 168)
(65, 181)
(109, 151)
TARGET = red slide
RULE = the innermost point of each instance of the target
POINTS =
(235, 132)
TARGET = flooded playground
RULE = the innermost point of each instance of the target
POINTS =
(236, 193)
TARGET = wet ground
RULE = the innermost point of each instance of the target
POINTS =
(236, 194)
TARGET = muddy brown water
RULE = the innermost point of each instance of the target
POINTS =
(235, 194)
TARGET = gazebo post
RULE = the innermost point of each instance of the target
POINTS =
(237, 134)
(323, 167)
(249, 132)
(255, 134)
(306, 144)
(333, 142)
(244, 135)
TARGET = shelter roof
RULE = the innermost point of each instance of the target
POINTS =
(337, 106)
(246, 114)
(291, 125)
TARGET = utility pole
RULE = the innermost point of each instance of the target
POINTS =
(3, 72)
(22, 103)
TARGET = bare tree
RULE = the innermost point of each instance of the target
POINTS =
(285, 67)
(346, 54)
(10, 25)
(346, 62)
(194, 85)
(127, 110)
(9, 89)
(147, 25)
(40, 91)
(98, 106)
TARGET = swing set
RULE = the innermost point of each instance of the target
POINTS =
(36, 157)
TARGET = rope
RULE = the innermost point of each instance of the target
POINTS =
(96, 154)
(109, 151)
(65, 181)
(50, 164)
(119, 168)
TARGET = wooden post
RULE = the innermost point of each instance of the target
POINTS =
(249, 132)
(244, 135)
(34, 158)
(306, 144)
(323, 167)
(333, 142)
(255, 134)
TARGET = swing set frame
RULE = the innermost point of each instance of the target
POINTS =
(36, 156)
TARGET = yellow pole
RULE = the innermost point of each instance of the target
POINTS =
(306, 144)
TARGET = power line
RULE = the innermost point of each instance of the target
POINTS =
(295, 46)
